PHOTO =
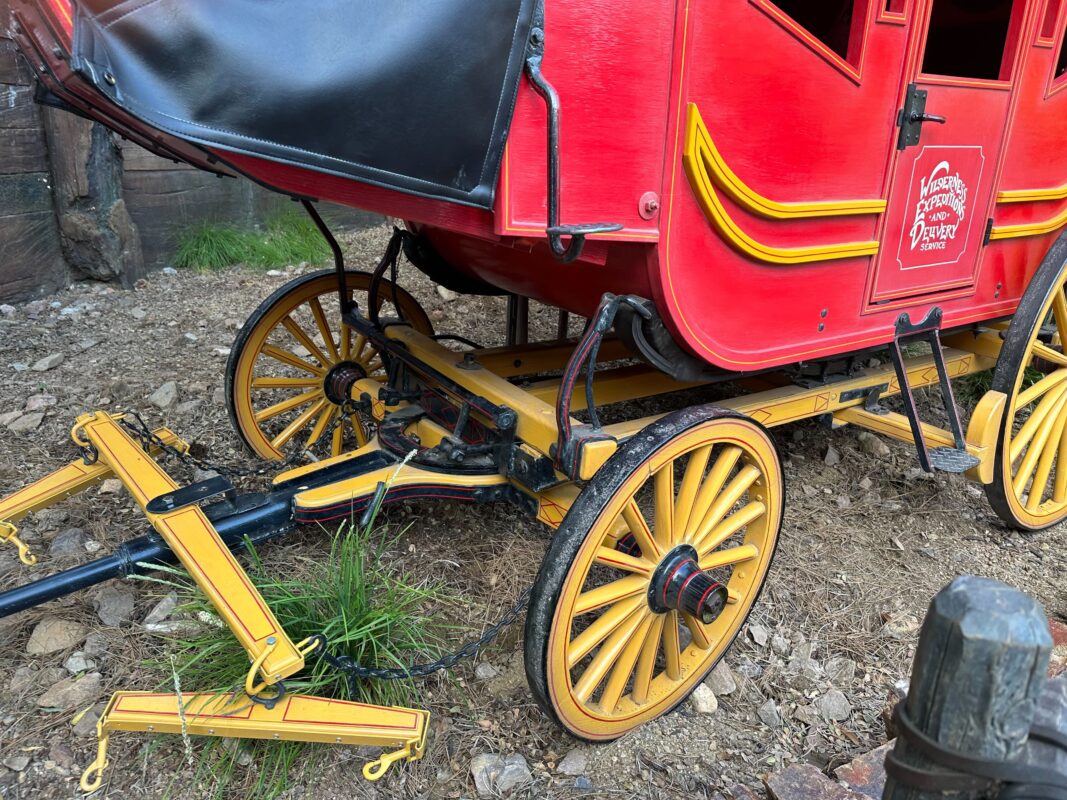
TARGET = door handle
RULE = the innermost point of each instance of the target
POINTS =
(920, 117)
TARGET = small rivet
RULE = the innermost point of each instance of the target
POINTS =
(822, 326)
(824, 312)
(109, 79)
(151, 728)
(648, 206)
(275, 736)
(271, 640)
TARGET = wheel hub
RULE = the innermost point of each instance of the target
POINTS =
(679, 584)
(340, 379)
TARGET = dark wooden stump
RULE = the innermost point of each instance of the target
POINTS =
(979, 673)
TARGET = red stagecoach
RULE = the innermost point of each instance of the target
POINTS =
(748, 193)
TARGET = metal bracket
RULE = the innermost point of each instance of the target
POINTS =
(910, 119)
(565, 253)
(191, 495)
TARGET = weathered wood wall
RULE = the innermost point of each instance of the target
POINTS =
(75, 202)
(31, 257)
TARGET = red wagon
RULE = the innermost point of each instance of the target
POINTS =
(766, 195)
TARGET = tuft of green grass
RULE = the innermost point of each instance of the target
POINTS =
(286, 239)
(368, 608)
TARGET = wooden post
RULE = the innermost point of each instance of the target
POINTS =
(979, 672)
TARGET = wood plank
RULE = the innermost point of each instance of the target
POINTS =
(13, 69)
(22, 142)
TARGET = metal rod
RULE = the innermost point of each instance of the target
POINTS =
(563, 324)
(335, 247)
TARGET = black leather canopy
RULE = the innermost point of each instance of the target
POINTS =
(414, 95)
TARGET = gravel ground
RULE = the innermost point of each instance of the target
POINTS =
(867, 540)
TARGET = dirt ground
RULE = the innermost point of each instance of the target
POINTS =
(866, 543)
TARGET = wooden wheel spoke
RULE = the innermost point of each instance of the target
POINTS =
(700, 635)
(610, 557)
(712, 485)
(1042, 350)
(608, 654)
(1047, 383)
(635, 520)
(663, 487)
(646, 664)
(600, 628)
(732, 555)
(687, 491)
(726, 500)
(1037, 445)
(298, 333)
(1049, 450)
(624, 667)
(292, 359)
(287, 405)
(374, 365)
(672, 646)
(270, 382)
(324, 420)
(1059, 312)
(346, 342)
(610, 593)
(299, 423)
(1034, 422)
(337, 441)
(729, 526)
(324, 328)
(356, 354)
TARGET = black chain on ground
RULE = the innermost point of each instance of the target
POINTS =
(354, 671)
(139, 430)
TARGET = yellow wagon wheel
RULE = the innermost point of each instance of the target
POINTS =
(1029, 488)
(291, 355)
(653, 571)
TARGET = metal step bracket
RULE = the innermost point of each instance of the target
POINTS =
(298, 718)
(946, 459)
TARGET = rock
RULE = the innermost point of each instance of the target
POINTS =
(62, 755)
(138, 313)
(111, 486)
(165, 397)
(843, 501)
(72, 692)
(896, 695)
(841, 671)
(48, 362)
(39, 402)
(26, 423)
(53, 635)
(191, 337)
(22, 679)
(583, 783)
(7, 418)
(114, 606)
(769, 714)
(17, 763)
(78, 663)
(781, 645)
(447, 294)
(485, 768)
(84, 725)
(866, 774)
(574, 763)
(49, 519)
(485, 671)
(900, 626)
(169, 271)
(516, 773)
(161, 610)
(809, 715)
(70, 542)
(703, 700)
(866, 484)
(721, 680)
(96, 645)
(873, 445)
(834, 706)
(221, 352)
(832, 457)
(189, 407)
(805, 782)
(7, 311)
(759, 634)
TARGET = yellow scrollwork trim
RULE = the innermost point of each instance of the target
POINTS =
(707, 170)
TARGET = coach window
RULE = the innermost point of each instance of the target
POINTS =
(973, 38)
(837, 24)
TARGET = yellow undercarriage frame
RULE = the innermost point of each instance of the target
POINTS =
(257, 713)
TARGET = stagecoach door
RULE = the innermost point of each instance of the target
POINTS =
(954, 106)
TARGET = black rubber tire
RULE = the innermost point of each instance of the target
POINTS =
(422, 323)
(1025, 324)
(572, 532)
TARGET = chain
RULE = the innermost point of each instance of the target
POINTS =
(354, 671)
(140, 431)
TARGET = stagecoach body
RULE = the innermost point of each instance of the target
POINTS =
(751, 192)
